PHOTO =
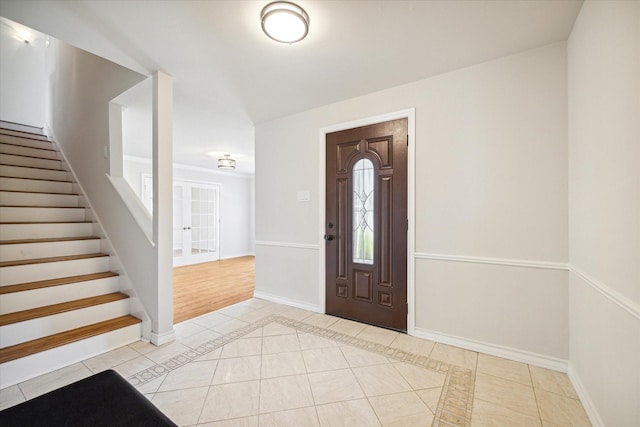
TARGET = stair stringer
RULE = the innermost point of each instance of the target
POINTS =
(136, 306)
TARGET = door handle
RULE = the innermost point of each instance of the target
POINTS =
(328, 237)
(186, 228)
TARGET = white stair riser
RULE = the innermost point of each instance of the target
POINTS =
(28, 151)
(26, 300)
(52, 270)
(14, 198)
(30, 214)
(26, 172)
(19, 370)
(10, 159)
(17, 333)
(26, 142)
(21, 184)
(21, 251)
(44, 231)
(20, 332)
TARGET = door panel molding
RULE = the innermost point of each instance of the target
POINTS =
(341, 193)
(386, 231)
(382, 149)
(346, 152)
(409, 114)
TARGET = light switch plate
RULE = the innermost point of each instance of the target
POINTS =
(304, 196)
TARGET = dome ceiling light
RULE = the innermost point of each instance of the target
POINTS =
(284, 22)
(226, 163)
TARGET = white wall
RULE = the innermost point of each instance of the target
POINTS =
(82, 85)
(491, 182)
(22, 75)
(604, 209)
(137, 114)
(237, 202)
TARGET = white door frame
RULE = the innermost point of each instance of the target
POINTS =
(410, 115)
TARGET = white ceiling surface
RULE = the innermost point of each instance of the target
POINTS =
(229, 76)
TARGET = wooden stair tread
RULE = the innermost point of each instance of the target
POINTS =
(48, 310)
(57, 340)
(33, 179)
(47, 240)
(20, 287)
(30, 157)
(53, 193)
(50, 259)
(42, 207)
(30, 167)
(13, 144)
(45, 139)
(26, 134)
(45, 222)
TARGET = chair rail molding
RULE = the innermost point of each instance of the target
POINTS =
(548, 265)
(630, 306)
(287, 245)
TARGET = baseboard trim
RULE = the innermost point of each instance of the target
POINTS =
(237, 255)
(510, 353)
(287, 245)
(547, 265)
(288, 301)
(585, 398)
(160, 339)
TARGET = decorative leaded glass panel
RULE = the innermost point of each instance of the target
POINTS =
(363, 212)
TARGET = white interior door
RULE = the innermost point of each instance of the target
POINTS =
(196, 222)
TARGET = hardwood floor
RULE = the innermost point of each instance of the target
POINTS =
(202, 288)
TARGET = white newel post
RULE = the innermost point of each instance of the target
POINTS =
(162, 331)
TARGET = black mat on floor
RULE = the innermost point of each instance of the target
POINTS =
(104, 399)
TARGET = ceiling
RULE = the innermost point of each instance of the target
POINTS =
(228, 76)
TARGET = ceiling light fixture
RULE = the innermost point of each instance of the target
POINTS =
(284, 22)
(226, 163)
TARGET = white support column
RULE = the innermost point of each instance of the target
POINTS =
(162, 331)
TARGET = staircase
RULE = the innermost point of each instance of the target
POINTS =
(59, 303)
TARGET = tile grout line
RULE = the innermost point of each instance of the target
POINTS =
(455, 412)
(456, 400)
(535, 395)
(360, 385)
(261, 365)
(209, 387)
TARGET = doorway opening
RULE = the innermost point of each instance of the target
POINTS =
(203, 279)
(199, 289)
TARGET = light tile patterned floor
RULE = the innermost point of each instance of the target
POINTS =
(264, 364)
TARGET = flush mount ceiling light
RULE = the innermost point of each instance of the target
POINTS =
(284, 22)
(226, 163)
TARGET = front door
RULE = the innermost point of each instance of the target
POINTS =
(366, 224)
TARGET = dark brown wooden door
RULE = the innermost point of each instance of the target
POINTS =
(366, 224)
